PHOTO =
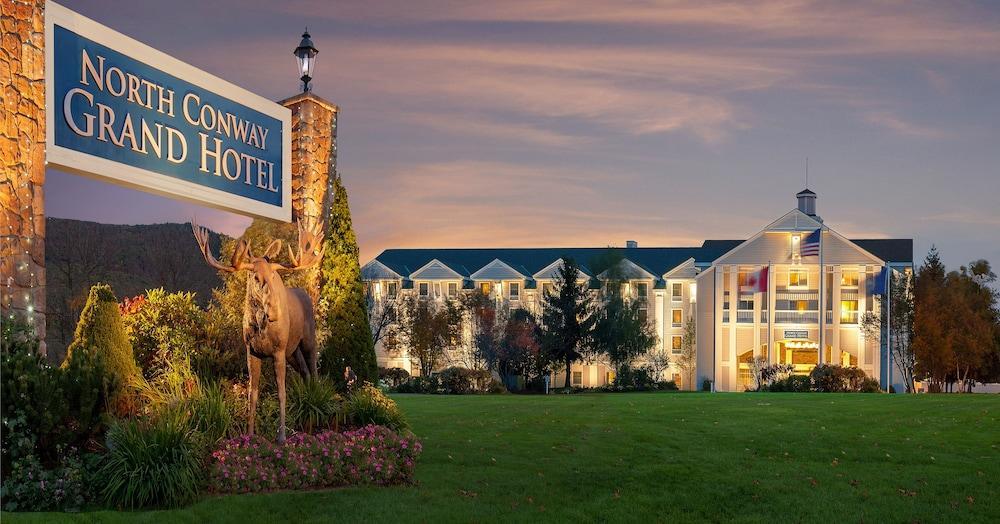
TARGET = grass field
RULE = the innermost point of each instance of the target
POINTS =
(665, 456)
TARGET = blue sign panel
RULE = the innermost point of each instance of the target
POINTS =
(120, 110)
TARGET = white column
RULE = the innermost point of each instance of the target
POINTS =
(658, 311)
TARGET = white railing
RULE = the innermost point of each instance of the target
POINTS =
(796, 317)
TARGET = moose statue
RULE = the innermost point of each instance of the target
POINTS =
(278, 322)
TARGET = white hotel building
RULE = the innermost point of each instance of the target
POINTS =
(804, 325)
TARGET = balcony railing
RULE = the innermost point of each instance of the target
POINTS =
(763, 317)
(744, 316)
(725, 315)
(796, 317)
(848, 317)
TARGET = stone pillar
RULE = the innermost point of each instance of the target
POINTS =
(22, 162)
(314, 155)
(314, 164)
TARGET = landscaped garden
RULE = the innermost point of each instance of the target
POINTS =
(663, 456)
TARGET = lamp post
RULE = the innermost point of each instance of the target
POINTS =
(306, 56)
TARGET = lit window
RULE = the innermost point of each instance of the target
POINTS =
(548, 288)
(642, 289)
(798, 278)
(848, 311)
(676, 291)
(676, 317)
(515, 290)
(675, 343)
(849, 279)
(452, 289)
(485, 287)
(424, 289)
(577, 378)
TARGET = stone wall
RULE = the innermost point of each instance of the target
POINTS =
(22, 162)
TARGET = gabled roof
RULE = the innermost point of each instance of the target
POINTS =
(655, 260)
(794, 220)
(435, 269)
(631, 270)
(888, 249)
(497, 270)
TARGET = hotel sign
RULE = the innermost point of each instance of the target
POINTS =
(124, 112)
(796, 333)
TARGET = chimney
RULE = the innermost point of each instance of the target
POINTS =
(630, 244)
(807, 202)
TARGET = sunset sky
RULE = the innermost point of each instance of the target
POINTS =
(580, 123)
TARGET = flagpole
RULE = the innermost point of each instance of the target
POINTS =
(821, 301)
(888, 329)
(770, 315)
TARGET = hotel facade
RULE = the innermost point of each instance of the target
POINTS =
(807, 313)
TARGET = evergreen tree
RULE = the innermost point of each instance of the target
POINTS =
(567, 319)
(932, 321)
(342, 298)
(100, 333)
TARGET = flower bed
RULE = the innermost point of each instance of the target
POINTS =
(370, 455)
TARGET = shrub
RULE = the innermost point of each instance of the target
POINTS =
(369, 455)
(45, 409)
(393, 377)
(101, 334)
(832, 378)
(791, 384)
(312, 404)
(870, 385)
(421, 384)
(151, 463)
(166, 326)
(29, 486)
(368, 405)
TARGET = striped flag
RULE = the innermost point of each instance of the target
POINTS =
(810, 245)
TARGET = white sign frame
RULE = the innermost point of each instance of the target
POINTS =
(126, 175)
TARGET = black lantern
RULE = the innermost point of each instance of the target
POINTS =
(306, 55)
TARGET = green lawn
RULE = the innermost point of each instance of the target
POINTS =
(666, 456)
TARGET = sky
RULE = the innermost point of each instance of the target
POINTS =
(581, 123)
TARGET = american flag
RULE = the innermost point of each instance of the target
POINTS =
(810, 245)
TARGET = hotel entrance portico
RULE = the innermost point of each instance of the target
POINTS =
(802, 355)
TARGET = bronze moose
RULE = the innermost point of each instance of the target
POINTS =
(278, 322)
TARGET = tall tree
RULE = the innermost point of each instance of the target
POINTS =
(687, 360)
(342, 298)
(974, 319)
(931, 320)
(895, 320)
(429, 330)
(620, 333)
(567, 318)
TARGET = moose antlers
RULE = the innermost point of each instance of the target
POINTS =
(310, 250)
(238, 261)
